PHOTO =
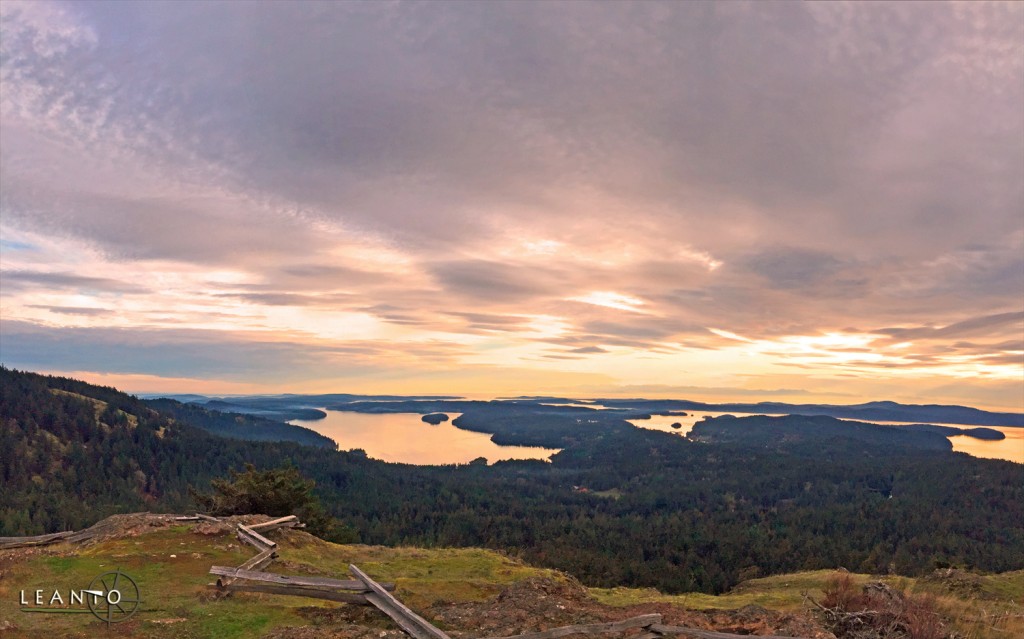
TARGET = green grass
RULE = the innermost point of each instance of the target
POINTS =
(174, 591)
(175, 601)
(781, 592)
(421, 576)
(170, 587)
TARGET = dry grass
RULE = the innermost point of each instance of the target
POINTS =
(995, 610)
(924, 609)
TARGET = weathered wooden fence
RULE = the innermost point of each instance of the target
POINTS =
(99, 529)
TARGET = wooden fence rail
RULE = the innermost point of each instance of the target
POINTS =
(291, 521)
(297, 591)
(38, 540)
(295, 580)
(196, 517)
(253, 538)
(406, 619)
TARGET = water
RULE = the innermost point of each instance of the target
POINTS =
(575, 405)
(407, 439)
(686, 422)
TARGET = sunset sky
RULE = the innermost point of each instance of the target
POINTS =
(793, 201)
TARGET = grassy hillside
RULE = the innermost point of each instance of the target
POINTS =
(171, 563)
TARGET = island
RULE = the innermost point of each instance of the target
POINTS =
(435, 418)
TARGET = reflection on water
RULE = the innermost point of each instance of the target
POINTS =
(664, 422)
(1011, 448)
(406, 438)
(593, 406)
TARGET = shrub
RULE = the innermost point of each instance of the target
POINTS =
(276, 492)
(842, 594)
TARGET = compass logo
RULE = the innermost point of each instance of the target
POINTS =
(112, 597)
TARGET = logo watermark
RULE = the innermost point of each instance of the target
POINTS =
(112, 597)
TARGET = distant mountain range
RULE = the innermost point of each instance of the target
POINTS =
(881, 411)
(287, 407)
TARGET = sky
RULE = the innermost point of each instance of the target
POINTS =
(712, 201)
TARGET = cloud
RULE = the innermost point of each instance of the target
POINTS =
(360, 175)
(75, 310)
(789, 268)
(976, 326)
(588, 350)
(489, 281)
(63, 280)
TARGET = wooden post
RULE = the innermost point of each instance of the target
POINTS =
(406, 619)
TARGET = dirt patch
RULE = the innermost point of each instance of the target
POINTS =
(541, 604)
(538, 604)
(292, 567)
(534, 604)
(959, 582)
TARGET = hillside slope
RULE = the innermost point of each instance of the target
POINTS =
(468, 592)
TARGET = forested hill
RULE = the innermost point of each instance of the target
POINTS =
(71, 452)
(238, 425)
(618, 506)
(794, 433)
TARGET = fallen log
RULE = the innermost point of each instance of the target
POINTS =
(643, 621)
(293, 580)
(401, 614)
